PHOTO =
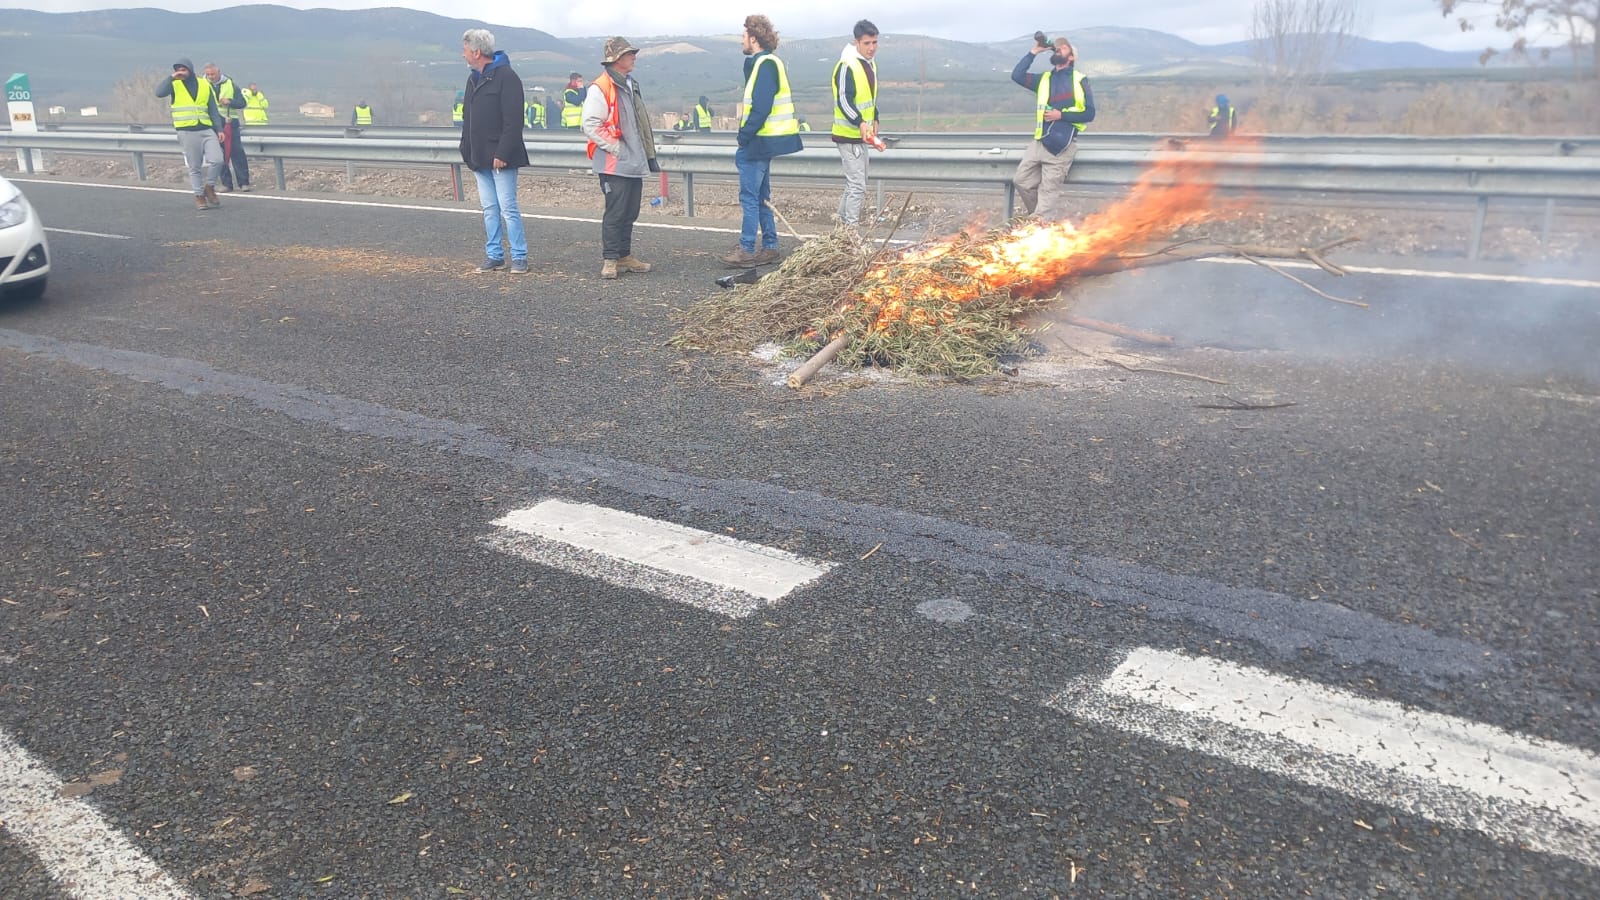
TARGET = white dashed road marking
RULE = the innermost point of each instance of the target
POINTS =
(115, 237)
(1453, 771)
(707, 570)
(86, 856)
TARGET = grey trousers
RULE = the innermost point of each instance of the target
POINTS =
(203, 152)
(1041, 180)
(854, 159)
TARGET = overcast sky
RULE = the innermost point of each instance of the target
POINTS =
(1201, 21)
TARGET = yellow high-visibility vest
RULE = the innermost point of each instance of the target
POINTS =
(571, 108)
(363, 115)
(224, 97)
(1078, 103)
(533, 113)
(255, 107)
(702, 116)
(780, 121)
(866, 99)
(456, 114)
(191, 110)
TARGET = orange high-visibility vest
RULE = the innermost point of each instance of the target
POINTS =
(612, 126)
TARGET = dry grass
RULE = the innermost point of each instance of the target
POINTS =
(787, 304)
(920, 316)
(329, 260)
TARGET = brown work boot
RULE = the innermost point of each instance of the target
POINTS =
(212, 200)
(767, 255)
(200, 202)
(631, 263)
(740, 258)
(608, 269)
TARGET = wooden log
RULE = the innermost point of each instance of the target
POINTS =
(1123, 331)
(1183, 252)
(811, 366)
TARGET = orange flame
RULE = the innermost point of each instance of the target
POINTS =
(1035, 258)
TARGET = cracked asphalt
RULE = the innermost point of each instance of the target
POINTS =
(249, 459)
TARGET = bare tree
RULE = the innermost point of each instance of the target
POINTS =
(1298, 43)
(136, 101)
(1530, 21)
(398, 91)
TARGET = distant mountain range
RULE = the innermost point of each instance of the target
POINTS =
(339, 56)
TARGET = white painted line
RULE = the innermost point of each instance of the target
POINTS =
(374, 204)
(86, 856)
(1456, 772)
(1587, 399)
(115, 237)
(702, 568)
(1422, 273)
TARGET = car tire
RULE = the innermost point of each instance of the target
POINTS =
(31, 290)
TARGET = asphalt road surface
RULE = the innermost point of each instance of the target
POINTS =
(331, 569)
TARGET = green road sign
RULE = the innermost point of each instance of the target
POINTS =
(17, 89)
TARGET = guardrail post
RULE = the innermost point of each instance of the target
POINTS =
(138, 165)
(1549, 220)
(26, 158)
(688, 194)
(877, 215)
(349, 173)
(455, 182)
(277, 165)
(1011, 199)
(1475, 243)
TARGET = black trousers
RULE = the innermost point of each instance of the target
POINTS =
(623, 196)
(240, 165)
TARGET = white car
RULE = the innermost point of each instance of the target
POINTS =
(24, 252)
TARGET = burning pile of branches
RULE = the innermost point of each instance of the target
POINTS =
(950, 307)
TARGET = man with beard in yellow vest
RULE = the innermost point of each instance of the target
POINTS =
(767, 128)
(1064, 106)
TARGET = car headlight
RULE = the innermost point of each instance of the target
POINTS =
(13, 212)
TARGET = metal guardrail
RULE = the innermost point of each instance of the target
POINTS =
(1475, 145)
(1551, 169)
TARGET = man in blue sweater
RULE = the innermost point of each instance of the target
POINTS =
(1064, 107)
(767, 128)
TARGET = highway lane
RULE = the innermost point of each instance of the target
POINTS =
(257, 485)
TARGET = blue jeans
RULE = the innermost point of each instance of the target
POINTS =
(497, 194)
(755, 186)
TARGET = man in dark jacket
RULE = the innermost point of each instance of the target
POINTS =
(492, 147)
(767, 129)
(1064, 107)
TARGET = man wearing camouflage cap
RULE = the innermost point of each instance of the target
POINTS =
(623, 147)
